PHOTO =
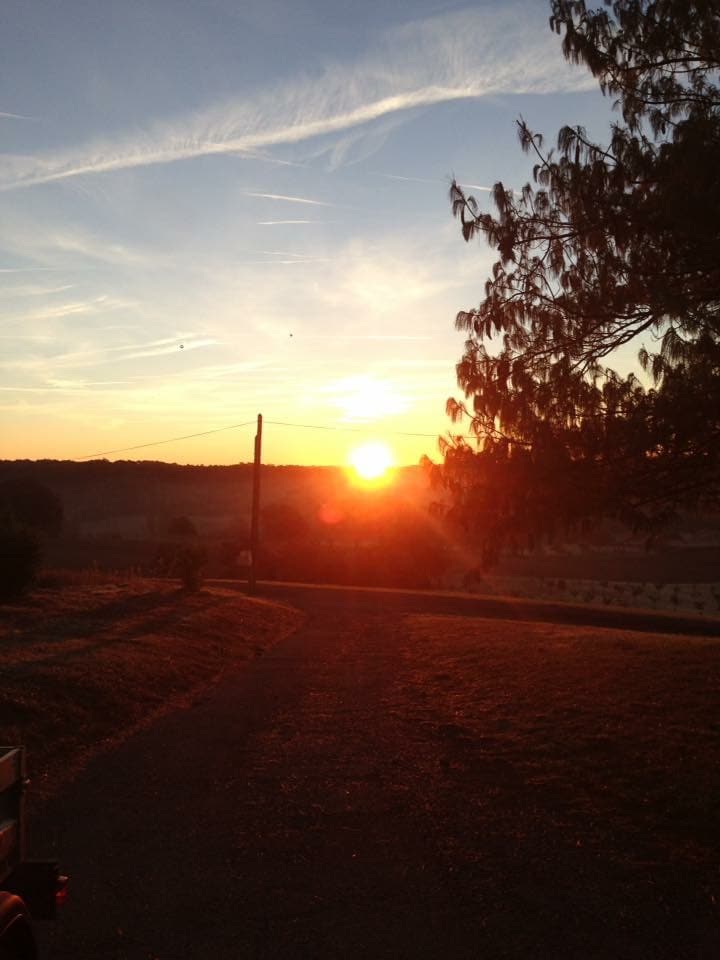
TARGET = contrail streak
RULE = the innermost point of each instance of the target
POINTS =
(15, 116)
(282, 196)
(465, 55)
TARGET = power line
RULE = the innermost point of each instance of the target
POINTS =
(274, 423)
(157, 443)
(386, 433)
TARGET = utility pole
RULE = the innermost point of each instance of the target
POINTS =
(255, 520)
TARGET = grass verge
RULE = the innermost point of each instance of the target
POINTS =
(580, 768)
(83, 666)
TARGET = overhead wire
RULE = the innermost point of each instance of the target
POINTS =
(273, 423)
(386, 433)
(157, 443)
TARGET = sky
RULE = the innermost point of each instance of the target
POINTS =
(213, 209)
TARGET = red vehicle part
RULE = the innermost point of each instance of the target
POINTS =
(16, 937)
(29, 890)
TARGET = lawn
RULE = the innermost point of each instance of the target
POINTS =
(577, 772)
(84, 666)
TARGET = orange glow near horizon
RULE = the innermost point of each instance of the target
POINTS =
(371, 463)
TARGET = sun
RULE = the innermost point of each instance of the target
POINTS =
(372, 462)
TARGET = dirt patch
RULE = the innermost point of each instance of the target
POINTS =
(82, 667)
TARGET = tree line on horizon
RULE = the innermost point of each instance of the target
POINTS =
(157, 519)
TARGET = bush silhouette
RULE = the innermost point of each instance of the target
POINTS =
(182, 561)
(29, 511)
(19, 560)
(189, 564)
(31, 505)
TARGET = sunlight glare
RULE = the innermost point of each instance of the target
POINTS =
(371, 461)
(366, 398)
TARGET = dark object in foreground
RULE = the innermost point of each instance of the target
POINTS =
(20, 556)
(29, 890)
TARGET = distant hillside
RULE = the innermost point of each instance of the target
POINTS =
(151, 492)
(317, 525)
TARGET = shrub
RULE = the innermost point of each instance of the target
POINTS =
(19, 560)
(31, 505)
(184, 561)
(189, 563)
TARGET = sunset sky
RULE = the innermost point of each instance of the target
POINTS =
(210, 209)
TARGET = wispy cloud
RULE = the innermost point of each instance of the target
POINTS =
(68, 309)
(278, 223)
(86, 245)
(269, 158)
(27, 337)
(25, 269)
(289, 257)
(289, 254)
(364, 336)
(96, 356)
(467, 54)
(434, 180)
(29, 290)
(359, 143)
(70, 387)
(287, 263)
(53, 245)
(162, 351)
(15, 116)
(281, 196)
(396, 176)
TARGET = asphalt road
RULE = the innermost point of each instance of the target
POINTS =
(283, 816)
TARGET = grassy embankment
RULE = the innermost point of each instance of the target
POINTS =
(82, 666)
(573, 752)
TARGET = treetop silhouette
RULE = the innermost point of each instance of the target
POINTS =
(611, 244)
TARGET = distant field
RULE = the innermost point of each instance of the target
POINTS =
(698, 598)
(82, 666)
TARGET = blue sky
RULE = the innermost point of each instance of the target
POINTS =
(265, 184)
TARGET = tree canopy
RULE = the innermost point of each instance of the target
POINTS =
(27, 503)
(611, 244)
